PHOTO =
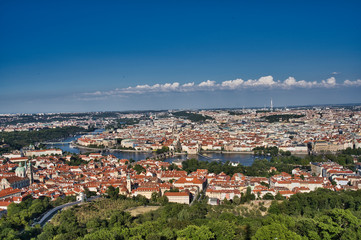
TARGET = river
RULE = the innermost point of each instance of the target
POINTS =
(244, 159)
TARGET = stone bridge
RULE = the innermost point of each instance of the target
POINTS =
(162, 155)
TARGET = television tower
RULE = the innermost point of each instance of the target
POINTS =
(271, 108)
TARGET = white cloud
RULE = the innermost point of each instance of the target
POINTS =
(330, 82)
(266, 81)
(236, 84)
(188, 84)
(291, 82)
(170, 86)
(352, 83)
(207, 83)
(97, 93)
(166, 87)
(232, 84)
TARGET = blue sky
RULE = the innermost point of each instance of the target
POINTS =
(61, 56)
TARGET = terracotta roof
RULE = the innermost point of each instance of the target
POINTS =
(176, 194)
(9, 191)
(4, 204)
(189, 180)
(286, 192)
(147, 189)
(14, 179)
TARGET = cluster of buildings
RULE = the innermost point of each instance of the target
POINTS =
(31, 122)
(341, 177)
(46, 173)
(20, 127)
(99, 140)
(50, 176)
(24, 155)
(318, 130)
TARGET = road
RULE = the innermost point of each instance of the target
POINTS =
(200, 196)
(50, 214)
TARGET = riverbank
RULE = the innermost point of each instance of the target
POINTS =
(118, 150)
(248, 152)
(108, 149)
(244, 158)
(227, 152)
(175, 153)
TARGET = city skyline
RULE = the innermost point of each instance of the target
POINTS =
(76, 57)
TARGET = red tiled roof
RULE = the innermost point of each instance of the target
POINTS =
(176, 194)
(147, 189)
(193, 180)
(4, 204)
(9, 191)
(14, 179)
(286, 192)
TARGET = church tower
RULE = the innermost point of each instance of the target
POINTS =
(129, 184)
(29, 172)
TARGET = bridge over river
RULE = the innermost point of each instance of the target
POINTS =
(162, 155)
(56, 143)
(209, 158)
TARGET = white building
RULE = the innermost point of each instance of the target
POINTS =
(178, 197)
(38, 153)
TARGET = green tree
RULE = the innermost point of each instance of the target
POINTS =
(279, 196)
(223, 229)
(88, 193)
(236, 200)
(120, 218)
(338, 222)
(196, 233)
(268, 196)
(139, 169)
(112, 192)
(162, 150)
(155, 196)
(100, 235)
(248, 196)
(163, 200)
(93, 224)
(173, 167)
(275, 231)
(69, 227)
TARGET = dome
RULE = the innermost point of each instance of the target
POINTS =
(20, 171)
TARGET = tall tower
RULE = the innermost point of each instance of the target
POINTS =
(129, 184)
(271, 108)
(29, 172)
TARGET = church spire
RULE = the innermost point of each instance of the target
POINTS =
(29, 172)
